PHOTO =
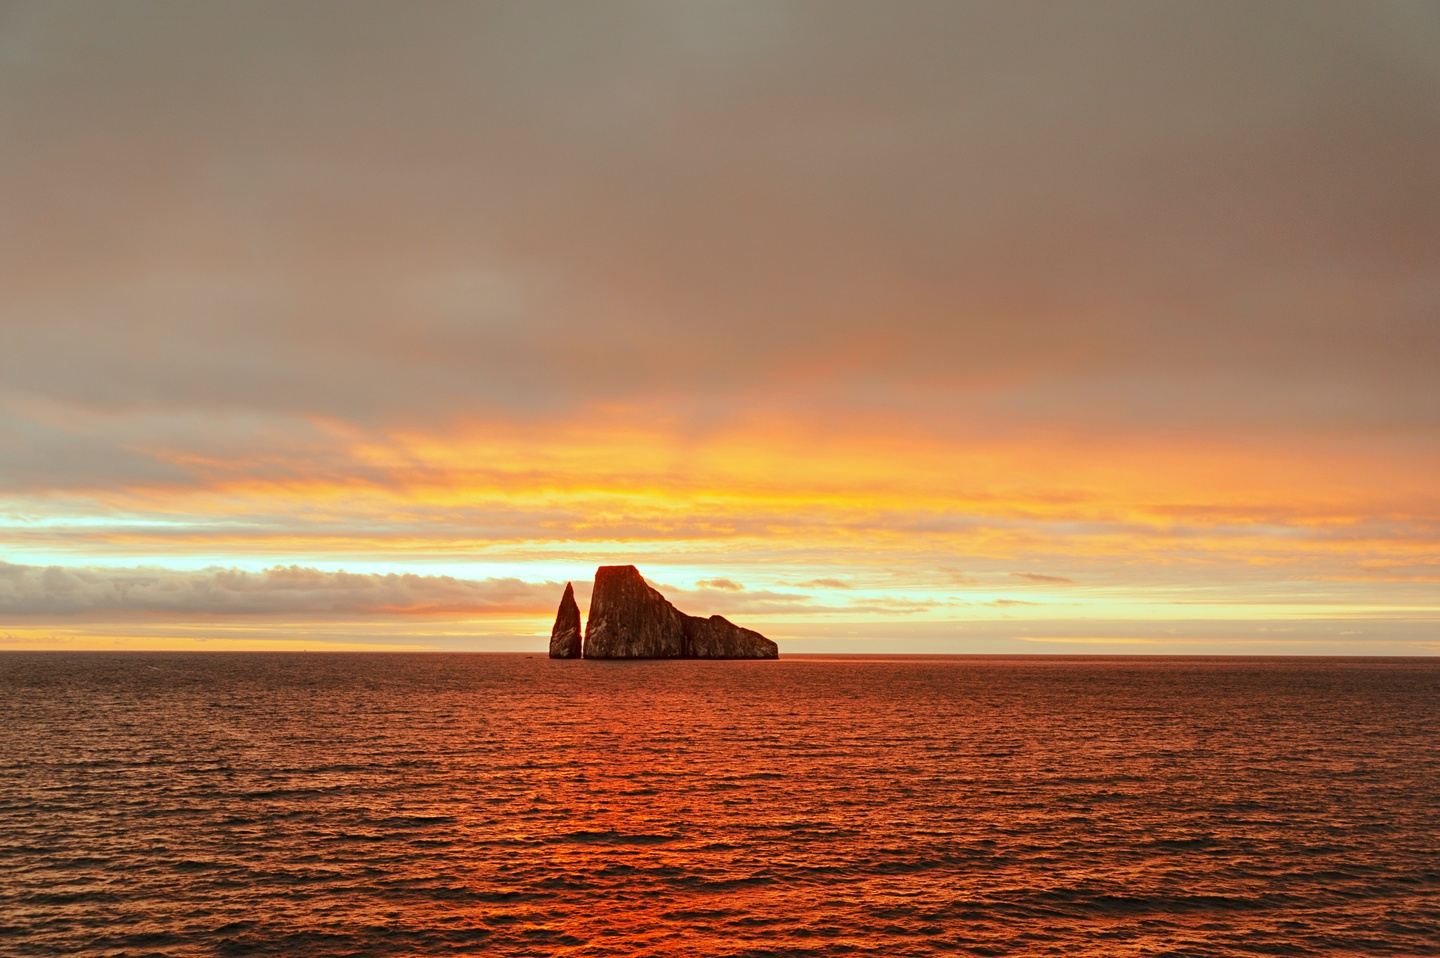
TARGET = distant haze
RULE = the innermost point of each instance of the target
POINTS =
(936, 327)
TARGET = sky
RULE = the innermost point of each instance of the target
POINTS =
(913, 327)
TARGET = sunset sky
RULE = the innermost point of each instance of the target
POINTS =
(917, 327)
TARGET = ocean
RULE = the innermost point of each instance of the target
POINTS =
(397, 804)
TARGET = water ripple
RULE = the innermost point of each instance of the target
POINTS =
(510, 805)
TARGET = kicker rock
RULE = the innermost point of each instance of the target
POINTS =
(565, 636)
(630, 620)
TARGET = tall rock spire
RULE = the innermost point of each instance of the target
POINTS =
(565, 636)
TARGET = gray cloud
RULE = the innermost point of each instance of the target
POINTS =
(59, 590)
(119, 593)
(1019, 212)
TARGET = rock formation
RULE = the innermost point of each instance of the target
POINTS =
(630, 620)
(719, 638)
(565, 636)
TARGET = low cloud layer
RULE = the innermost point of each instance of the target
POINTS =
(27, 590)
(59, 591)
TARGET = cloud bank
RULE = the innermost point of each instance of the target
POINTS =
(283, 590)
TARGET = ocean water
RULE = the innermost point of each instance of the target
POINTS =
(235, 804)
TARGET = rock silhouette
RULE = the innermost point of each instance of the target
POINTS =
(719, 638)
(565, 636)
(630, 620)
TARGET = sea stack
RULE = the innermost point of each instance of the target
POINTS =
(630, 620)
(565, 636)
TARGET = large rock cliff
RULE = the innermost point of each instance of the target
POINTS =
(630, 620)
(565, 636)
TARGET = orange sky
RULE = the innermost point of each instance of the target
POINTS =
(942, 328)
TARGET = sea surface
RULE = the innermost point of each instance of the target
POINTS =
(317, 804)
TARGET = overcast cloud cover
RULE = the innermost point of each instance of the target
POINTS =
(1022, 210)
(416, 282)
